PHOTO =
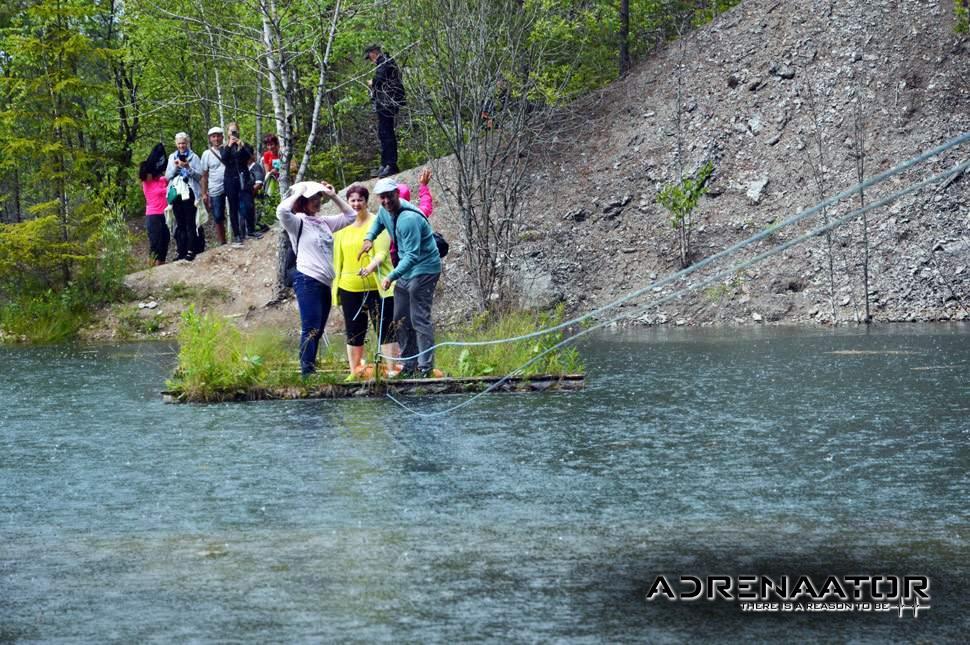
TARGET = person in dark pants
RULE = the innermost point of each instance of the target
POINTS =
(236, 156)
(184, 169)
(387, 97)
(416, 274)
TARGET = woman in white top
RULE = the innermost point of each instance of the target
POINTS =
(311, 236)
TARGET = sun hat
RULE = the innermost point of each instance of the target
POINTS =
(385, 185)
(215, 130)
(307, 189)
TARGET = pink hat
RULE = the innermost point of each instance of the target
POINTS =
(405, 191)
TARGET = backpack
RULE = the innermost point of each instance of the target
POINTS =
(439, 240)
(290, 266)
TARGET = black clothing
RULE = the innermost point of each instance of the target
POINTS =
(387, 89)
(185, 228)
(387, 95)
(388, 139)
(158, 237)
(358, 307)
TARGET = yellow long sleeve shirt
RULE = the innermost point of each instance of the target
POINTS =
(346, 246)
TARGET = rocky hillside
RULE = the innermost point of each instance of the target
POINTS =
(593, 230)
(748, 81)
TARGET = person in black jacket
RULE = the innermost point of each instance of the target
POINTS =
(236, 155)
(387, 96)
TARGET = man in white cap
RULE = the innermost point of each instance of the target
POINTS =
(416, 273)
(213, 181)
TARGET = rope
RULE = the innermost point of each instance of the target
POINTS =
(714, 278)
(771, 230)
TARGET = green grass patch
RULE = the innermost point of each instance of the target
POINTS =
(50, 317)
(216, 357)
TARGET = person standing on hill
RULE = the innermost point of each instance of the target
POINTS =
(425, 202)
(184, 170)
(155, 187)
(416, 274)
(237, 156)
(213, 181)
(387, 97)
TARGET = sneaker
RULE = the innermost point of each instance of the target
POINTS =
(427, 372)
(237, 243)
(254, 235)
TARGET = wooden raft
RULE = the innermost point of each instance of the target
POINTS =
(355, 389)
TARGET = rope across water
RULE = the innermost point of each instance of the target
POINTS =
(720, 275)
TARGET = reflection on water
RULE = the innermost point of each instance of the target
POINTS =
(527, 517)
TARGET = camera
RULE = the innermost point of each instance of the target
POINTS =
(234, 133)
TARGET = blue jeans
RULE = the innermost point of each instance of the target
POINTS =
(247, 213)
(218, 210)
(313, 298)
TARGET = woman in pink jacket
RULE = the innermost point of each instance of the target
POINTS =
(425, 203)
(155, 188)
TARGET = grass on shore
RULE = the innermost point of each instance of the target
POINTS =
(215, 356)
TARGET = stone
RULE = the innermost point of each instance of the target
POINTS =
(577, 215)
(756, 190)
(754, 124)
(757, 317)
(536, 287)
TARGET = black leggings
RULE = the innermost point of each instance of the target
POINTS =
(357, 307)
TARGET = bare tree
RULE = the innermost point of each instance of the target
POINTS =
(818, 168)
(475, 78)
(859, 126)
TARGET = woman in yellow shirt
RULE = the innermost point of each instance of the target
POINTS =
(357, 287)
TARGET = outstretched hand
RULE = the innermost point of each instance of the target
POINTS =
(365, 248)
(424, 177)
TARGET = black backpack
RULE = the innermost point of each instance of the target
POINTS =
(290, 266)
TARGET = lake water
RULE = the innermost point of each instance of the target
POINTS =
(521, 518)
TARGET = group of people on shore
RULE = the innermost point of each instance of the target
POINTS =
(183, 189)
(380, 269)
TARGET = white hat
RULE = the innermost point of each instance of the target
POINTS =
(215, 130)
(385, 185)
(307, 189)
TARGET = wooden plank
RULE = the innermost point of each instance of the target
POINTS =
(417, 387)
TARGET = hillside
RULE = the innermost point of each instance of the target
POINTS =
(745, 107)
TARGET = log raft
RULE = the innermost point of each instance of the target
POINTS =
(372, 388)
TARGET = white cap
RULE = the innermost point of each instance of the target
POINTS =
(385, 185)
(215, 130)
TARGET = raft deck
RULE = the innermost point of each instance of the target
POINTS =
(372, 388)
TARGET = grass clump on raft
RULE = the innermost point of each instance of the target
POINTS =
(215, 356)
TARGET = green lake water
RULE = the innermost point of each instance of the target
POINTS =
(527, 517)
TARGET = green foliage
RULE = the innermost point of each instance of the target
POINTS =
(49, 317)
(215, 356)
(680, 199)
(503, 358)
(961, 10)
